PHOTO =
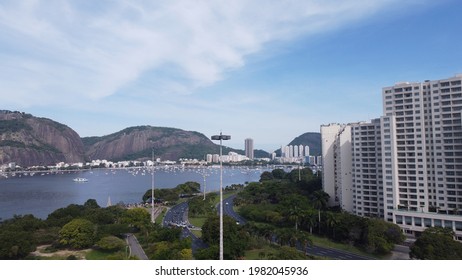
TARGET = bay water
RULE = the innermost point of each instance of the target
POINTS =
(42, 193)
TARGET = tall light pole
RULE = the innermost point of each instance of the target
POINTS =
(153, 220)
(221, 137)
(203, 174)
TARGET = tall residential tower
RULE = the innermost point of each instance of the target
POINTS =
(406, 166)
(249, 148)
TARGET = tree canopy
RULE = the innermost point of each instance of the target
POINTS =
(78, 234)
(436, 243)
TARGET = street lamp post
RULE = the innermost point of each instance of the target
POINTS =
(221, 137)
(153, 220)
(204, 183)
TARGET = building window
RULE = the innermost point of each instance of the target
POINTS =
(448, 224)
(437, 223)
(427, 222)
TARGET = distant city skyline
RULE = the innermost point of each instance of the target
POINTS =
(270, 74)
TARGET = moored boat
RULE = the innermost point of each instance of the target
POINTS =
(80, 179)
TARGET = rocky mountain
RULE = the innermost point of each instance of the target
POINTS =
(139, 142)
(28, 140)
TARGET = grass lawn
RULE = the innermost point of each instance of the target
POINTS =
(97, 255)
(160, 217)
(197, 233)
(197, 221)
(260, 254)
(325, 242)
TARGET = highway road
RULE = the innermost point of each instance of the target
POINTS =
(135, 248)
(311, 250)
(178, 216)
(229, 211)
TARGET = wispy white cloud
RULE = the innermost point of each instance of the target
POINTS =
(64, 51)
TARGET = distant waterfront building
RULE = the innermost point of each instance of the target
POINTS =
(307, 151)
(249, 148)
(286, 152)
(312, 160)
(319, 160)
(405, 167)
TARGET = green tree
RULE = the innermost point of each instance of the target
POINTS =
(382, 236)
(198, 207)
(91, 203)
(289, 253)
(331, 222)
(235, 240)
(265, 176)
(294, 213)
(210, 253)
(185, 254)
(110, 244)
(189, 188)
(137, 218)
(78, 234)
(309, 218)
(436, 243)
(62, 216)
(319, 201)
(279, 173)
(15, 244)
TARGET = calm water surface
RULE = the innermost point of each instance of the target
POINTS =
(42, 194)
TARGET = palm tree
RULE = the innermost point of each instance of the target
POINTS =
(294, 214)
(284, 236)
(319, 201)
(309, 219)
(331, 222)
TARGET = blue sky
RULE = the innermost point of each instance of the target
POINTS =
(268, 70)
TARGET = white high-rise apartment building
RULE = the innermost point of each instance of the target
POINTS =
(352, 167)
(416, 149)
(296, 152)
(336, 155)
(426, 132)
(367, 174)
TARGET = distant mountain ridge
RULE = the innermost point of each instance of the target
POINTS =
(139, 142)
(28, 140)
